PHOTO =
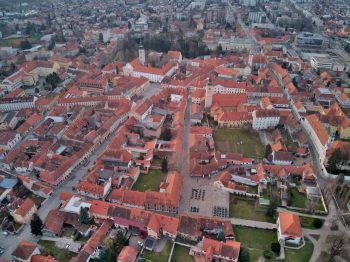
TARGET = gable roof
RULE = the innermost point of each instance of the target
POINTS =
(24, 250)
(290, 224)
(26, 206)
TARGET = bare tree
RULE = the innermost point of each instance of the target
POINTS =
(337, 247)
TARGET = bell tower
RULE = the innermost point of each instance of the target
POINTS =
(142, 54)
(209, 94)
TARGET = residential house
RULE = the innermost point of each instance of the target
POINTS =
(128, 254)
(24, 213)
(289, 228)
(214, 250)
(24, 251)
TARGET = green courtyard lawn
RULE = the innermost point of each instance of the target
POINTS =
(253, 189)
(307, 222)
(247, 209)
(161, 256)
(181, 254)
(68, 231)
(259, 240)
(290, 143)
(239, 141)
(49, 248)
(150, 181)
(301, 255)
(296, 199)
(256, 240)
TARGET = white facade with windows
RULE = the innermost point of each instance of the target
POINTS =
(261, 122)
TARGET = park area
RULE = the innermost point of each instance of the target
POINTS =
(150, 181)
(181, 254)
(49, 248)
(240, 141)
(247, 209)
(258, 240)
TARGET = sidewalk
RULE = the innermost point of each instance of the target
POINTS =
(252, 223)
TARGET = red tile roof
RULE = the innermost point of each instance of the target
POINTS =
(26, 206)
(290, 224)
(24, 250)
(128, 254)
(319, 129)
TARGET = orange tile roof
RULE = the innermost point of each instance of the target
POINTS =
(128, 254)
(24, 250)
(319, 129)
(97, 238)
(166, 223)
(235, 116)
(290, 224)
(226, 71)
(26, 206)
(41, 258)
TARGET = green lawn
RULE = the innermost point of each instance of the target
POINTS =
(81, 238)
(301, 255)
(246, 209)
(161, 256)
(296, 199)
(67, 231)
(256, 240)
(149, 181)
(229, 140)
(307, 222)
(253, 189)
(14, 42)
(49, 248)
(181, 254)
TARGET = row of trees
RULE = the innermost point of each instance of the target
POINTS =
(53, 80)
(335, 160)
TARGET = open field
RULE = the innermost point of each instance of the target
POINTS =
(149, 181)
(256, 240)
(247, 209)
(238, 141)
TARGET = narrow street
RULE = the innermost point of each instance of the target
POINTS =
(210, 196)
(321, 244)
(10, 242)
(184, 165)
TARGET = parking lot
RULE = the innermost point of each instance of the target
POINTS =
(204, 199)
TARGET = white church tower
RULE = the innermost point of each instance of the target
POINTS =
(208, 94)
(142, 54)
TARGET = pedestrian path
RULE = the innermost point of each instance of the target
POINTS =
(252, 223)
